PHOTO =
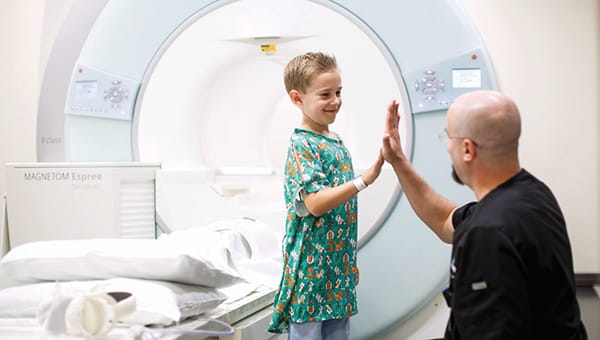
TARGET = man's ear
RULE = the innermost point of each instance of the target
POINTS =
(469, 149)
(296, 97)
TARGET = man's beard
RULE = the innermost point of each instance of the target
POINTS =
(455, 177)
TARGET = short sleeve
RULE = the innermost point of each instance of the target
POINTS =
(309, 166)
(461, 213)
(304, 173)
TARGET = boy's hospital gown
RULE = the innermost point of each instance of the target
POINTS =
(319, 253)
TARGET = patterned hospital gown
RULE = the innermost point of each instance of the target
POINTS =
(319, 253)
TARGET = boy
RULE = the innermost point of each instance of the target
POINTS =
(317, 293)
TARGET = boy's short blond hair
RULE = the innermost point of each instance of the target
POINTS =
(299, 71)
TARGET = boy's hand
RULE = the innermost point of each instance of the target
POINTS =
(371, 175)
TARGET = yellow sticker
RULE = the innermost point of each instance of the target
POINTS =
(268, 48)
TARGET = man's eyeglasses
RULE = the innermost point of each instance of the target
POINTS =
(444, 136)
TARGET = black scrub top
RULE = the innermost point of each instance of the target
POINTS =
(511, 272)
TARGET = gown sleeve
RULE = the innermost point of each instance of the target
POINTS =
(305, 173)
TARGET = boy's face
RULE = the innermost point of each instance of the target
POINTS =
(321, 101)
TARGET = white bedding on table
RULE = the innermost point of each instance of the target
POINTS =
(172, 278)
(96, 259)
(247, 246)
(157, 302)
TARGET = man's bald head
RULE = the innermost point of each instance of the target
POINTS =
(491, 120)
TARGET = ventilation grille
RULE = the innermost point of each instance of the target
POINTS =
(136, 218)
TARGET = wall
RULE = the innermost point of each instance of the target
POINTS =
(27, 31)
(20, 31)
(546, 54)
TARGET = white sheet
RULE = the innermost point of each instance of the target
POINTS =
(165, 275)
(96, 259)
(249, 247)
(157, 302)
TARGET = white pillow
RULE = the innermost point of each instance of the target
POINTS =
(251, 247)
(156, 302)
(95, 259)
(249, 239)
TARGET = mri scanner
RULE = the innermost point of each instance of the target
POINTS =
(197, 86)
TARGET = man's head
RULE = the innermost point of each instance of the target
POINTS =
(484, 129)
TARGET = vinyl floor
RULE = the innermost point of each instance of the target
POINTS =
(589, 302)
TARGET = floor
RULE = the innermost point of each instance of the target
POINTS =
(589, 302)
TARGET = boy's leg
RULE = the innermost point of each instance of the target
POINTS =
(305, 331)
(336, 329)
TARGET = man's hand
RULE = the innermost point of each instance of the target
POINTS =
(392, 148)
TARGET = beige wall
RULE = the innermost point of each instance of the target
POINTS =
(546, 54)
(20, 30)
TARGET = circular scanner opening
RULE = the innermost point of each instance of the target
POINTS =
(215, 99)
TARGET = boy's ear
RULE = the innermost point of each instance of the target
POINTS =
(295, 97)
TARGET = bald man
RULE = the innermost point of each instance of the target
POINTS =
(511, 270)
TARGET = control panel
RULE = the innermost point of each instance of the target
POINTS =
(435, 88)
(93, 92)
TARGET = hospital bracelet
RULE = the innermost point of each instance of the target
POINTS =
(359, 184)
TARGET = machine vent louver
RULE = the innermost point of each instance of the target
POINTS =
(136, 209)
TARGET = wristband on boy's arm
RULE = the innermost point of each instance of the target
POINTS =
(359, 184)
